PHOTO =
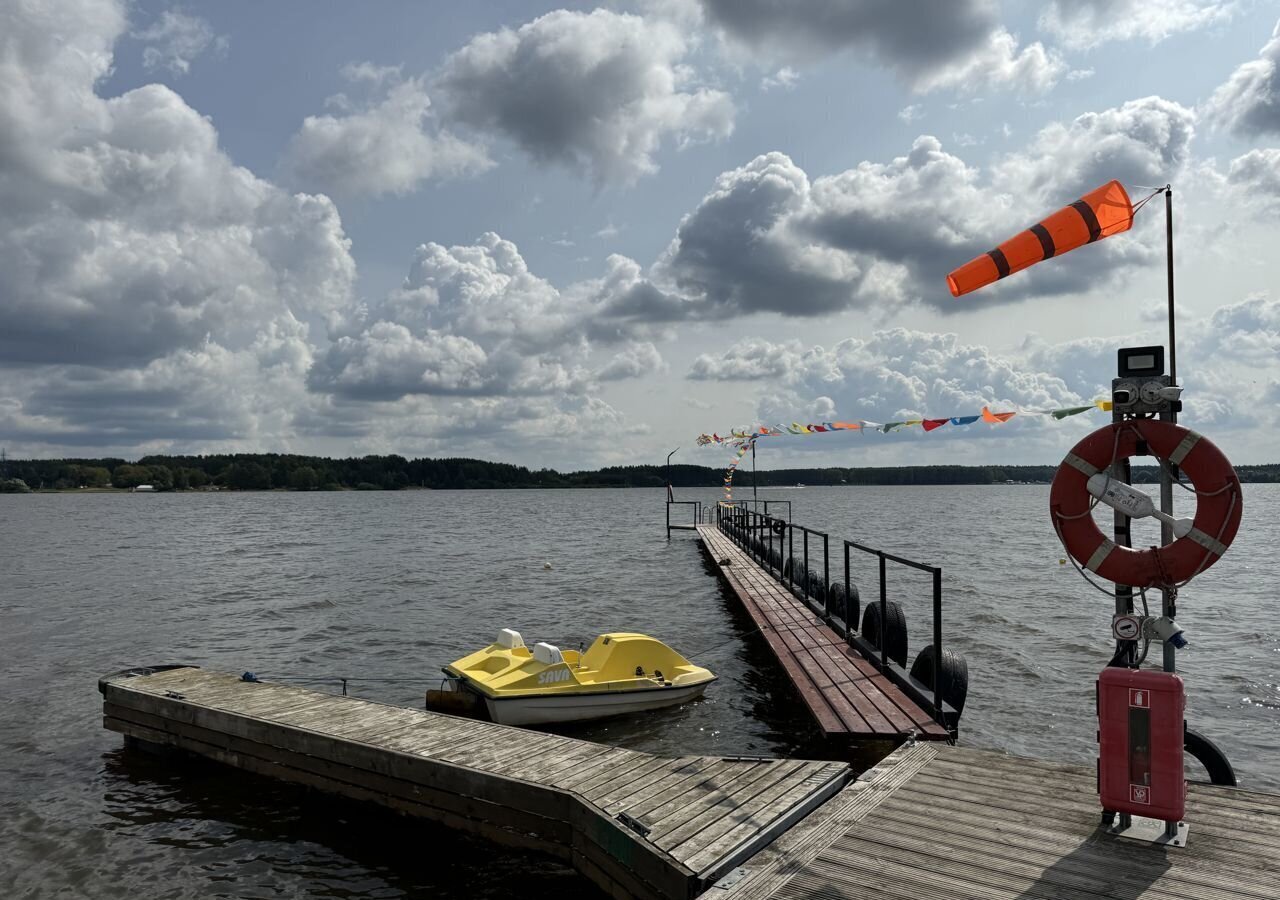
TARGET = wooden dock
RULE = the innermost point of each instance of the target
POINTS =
(636, 824)
(847, 695)
(933, 821)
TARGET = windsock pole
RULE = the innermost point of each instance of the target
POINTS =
(1169, 598)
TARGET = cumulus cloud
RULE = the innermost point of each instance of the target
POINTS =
(1247, 331)
(1084, 24)
(385, 146)
(599, 91)
(635, 361)
(784, 79)
(473, 320)
(1249, 102)
(898, 374)
(125, 231)
(1256, 176)
(768, 239)
(957, 45)
(175, 39)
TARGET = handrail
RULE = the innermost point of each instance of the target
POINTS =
(741, 524)
(936, 571)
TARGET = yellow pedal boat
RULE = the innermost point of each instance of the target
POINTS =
(619, 673)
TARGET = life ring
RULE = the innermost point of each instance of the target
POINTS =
(1218, 509)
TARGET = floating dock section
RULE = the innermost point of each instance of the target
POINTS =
(848, 697)
(636, 824)
(938, 821)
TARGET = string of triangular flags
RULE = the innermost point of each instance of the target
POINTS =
(743, 439)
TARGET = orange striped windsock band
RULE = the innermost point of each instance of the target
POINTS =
(1098, 214)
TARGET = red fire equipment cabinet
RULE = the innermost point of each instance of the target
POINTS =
(1140, 736)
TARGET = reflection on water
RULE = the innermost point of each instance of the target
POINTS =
(382, 589)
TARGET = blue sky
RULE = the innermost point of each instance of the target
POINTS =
(580, 235)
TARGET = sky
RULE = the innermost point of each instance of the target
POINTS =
(575, 236)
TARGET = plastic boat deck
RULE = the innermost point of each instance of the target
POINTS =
(846, 694)
(933, 821)
(638, 825)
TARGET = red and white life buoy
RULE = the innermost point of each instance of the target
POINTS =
(1218, 508)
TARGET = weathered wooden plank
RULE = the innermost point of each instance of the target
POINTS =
(718, 794)
(605, 789)
(704, 849)
(585, 784)
(504, 815)
(1199, 872)
(676, 781)
(732, 796)
(786, 857)
(676, 771)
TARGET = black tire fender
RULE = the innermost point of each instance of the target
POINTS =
(894, 630)
(953, 675)
(1210, 756)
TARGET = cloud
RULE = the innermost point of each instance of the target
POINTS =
(954, 45)
(209, 397)
(175, 40)
(911, 113)
(785, 78)
(1256, 178)
(768, 239)
(599, 91)
(125, 231)
(1247, 331)
(1249, 102)
(635, 361)
(384, 146)
(899, 373)
(1085, 24)
(472, 320)
(998, 63)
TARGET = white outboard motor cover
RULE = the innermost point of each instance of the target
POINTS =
(510, 639)
(548, 654)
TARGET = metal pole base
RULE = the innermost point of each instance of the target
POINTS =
(1149, 831)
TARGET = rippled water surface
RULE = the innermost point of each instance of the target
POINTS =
(385, 588)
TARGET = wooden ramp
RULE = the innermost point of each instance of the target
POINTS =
(937, 821)
(636, 824)
(847, 695)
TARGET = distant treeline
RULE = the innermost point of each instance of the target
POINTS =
(267, 471)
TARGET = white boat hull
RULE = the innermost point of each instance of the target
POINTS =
(548, 709)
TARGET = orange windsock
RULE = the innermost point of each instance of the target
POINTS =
(1098, 214)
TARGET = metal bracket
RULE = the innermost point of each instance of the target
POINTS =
(1150, 831)
(732, 877)
(634, 824)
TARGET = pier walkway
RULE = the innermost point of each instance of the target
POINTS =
(636, 824)
(847, 695)
(937, 821)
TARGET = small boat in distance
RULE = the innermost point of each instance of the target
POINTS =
(620, 673)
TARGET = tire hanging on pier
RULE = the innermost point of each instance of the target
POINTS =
(953, 675)
(843, 604)
(814, 587)
(894, 631)
(1210, 756)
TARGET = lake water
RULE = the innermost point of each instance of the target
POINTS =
(385, 588)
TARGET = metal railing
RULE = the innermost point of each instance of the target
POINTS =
(883, 662)
(696, 509)
(744, 525)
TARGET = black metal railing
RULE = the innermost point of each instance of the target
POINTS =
(759, 535)
(883, 661)
(696, 511)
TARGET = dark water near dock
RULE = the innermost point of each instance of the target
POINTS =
(384, 588)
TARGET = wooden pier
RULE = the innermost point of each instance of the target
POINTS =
(636, 824)
(939, 822)
(847, 695)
